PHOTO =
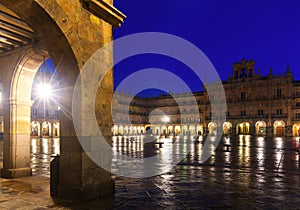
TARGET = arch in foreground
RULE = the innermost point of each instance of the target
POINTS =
(69, 35)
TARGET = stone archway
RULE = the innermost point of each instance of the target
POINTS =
(35, 128)
(279, 128)
(260, 128)
(55, 129)
(227, 128)
(177, 130)
(296, 129)
(243, 128)
(69, 35)
(212, 128)
(46, 129)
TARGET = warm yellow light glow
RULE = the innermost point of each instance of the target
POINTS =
(165, 119)
(44, 90)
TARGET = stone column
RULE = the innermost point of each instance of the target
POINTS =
(269, 131)
(252, 129)
(16, 144)
(80, 178)
(288, 131)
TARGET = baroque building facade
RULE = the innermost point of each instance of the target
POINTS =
(265, 105)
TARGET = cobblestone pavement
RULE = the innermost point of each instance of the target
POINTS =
(253, 173)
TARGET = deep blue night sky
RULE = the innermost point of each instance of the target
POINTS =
(226, 31)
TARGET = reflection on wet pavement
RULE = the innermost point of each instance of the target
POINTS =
(245, 152)
(42, 152)
(243, 172)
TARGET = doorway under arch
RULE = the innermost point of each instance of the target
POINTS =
(46, 129)
(227, 128)
(177, 130)
(55, 130)
(35, 128)
(279, 127)
(199, 129)
(260, 128)
(296, 129)
(212, 128)
(53, 39)
(243, 128)
(192, 130)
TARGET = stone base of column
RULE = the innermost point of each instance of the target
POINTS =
(87, 192)
(15, 173)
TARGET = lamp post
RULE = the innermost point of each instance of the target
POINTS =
(166, 119)
(44, 92)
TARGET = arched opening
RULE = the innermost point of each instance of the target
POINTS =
(170, 129)
(46, 129)
(121, 130)
(126, 130)
(212, 128)
(199, 130)
(157, 130)
(70, 46)
(260, 128)
(227, 128)
(130, 130)
(134, 130)
(177, 130)
(115, 130)
(243, 128)
(139, 130)
(184, 130)
(18, 78)
(143, 130)
(164, 130)
(192, 130)
(35, 128)
(279, 127)
(56, 131)
(296, 129)
(1, 126)
(148, 130)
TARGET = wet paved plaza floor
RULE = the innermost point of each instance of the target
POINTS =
(242, 173)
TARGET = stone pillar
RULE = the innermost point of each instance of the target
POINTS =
(16, 146)
(252, 129)
(269, 131)
(288, 131)
(233, 131)
(80, 178)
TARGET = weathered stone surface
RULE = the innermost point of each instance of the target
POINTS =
(69, 34)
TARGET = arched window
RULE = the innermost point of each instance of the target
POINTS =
(236, 75)
(251, 73)
(243, 74)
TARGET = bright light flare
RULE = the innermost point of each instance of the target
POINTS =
(44, 90)
(165, 119)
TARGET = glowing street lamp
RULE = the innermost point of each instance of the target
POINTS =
(44, 90)
(166, 119)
